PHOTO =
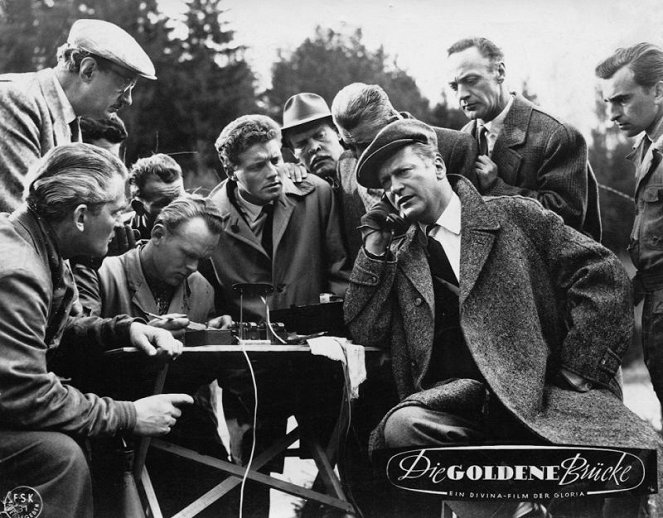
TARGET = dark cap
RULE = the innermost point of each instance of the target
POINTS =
(388, 141)
(107, 40)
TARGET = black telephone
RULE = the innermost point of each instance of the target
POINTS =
(394, 220)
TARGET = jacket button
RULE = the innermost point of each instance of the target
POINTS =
(417, 301)
(412, 364)
(374, 279)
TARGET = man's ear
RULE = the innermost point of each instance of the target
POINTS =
(658, 92)
(138, 207)
(158, 234)
(440, 167)
(79, 217)
(500, 69)
(89, 67)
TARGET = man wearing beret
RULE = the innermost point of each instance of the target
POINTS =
(504, 324)
(360, 111)
(522, 149)
(96, 71)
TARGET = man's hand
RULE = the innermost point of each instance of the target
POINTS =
(377, 227)
(222, 322)
(486, 171)
(124, 240)
(296, 172)
(156, 415)
(176, 323)
(152, 340)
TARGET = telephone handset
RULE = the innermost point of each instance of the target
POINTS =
(394, 220)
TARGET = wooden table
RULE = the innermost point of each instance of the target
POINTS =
(324, 457)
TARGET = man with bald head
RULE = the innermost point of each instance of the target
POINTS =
(96, 71)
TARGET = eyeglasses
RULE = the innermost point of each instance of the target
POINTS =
(128, 82)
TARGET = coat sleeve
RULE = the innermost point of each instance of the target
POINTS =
(20, 143)
(369, 302)
(33, 398)
(562, 179)
(594, 293)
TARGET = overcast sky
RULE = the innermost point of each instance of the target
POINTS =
(553, 44)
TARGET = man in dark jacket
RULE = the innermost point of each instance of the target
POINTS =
(503, 323)
(75, 199)
(522, 149)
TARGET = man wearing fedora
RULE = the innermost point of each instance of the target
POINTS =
(97, 69)
(309, 131)
(504, 324)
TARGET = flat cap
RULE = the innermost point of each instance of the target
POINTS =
(107, 40)
(303, 108)
(388, 141)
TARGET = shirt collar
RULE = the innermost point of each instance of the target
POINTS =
(450, 217)
(495, 126)
(251, 210)
(67, 108)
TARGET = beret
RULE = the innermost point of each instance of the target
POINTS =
(388, 141)
(108, 41)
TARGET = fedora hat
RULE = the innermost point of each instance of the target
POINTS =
(303, 108)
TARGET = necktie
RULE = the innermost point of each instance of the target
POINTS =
(482, 139)
(266, 240)
(438, 260)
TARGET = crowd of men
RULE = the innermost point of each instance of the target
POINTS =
(471, 257)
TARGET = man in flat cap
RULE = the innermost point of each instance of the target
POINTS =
(360, 111)
(522, 149)
(96, 71)
(504, 324)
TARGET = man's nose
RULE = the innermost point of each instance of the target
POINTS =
(126, 97)
(614, 111)
(313, 146)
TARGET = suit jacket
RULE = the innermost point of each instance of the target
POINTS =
(37, 297)
(646, 241)
(308, 252)
(458, 150)
(540, 157)
(120, 287)
(535, 296)
(34, 115)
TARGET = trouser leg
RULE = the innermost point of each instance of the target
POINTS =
(52, 464)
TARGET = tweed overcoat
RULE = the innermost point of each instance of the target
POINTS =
(37, 296)
(535, 296)
(458, 150)
(540, 157)
(120, 287)
(33, 120)
(308, 252)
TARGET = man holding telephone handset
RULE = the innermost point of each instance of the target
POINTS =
(490, 307)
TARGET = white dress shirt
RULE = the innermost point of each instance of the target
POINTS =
(494, 127)
(447, 233)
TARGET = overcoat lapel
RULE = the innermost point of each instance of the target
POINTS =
(410, 264)
(478, 230)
